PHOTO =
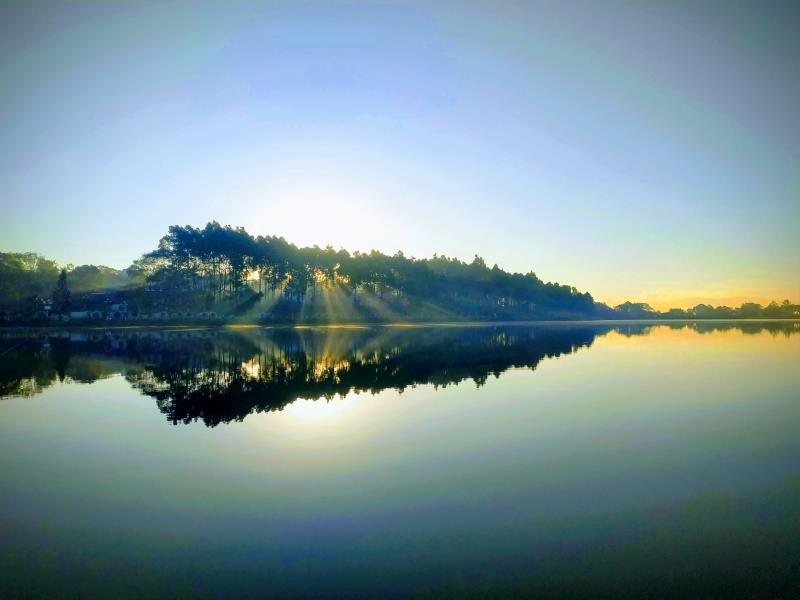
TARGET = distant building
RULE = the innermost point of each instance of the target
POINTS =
(117, 312)
(78, 315)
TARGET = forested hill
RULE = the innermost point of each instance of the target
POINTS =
(268, 276)
(226, 274)
(26, 275)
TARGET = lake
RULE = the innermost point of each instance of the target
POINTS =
(573, 460)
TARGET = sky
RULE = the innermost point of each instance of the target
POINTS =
(637, 150)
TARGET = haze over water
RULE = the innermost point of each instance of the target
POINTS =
(569, 460)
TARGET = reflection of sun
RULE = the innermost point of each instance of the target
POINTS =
(251, 368)
(320, 410)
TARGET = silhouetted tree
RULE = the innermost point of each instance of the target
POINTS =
(61, 295)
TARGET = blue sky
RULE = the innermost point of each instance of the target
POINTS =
(637, 150)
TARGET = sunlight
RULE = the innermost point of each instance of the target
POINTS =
(316, 411)
(307, 208)
(252, 368)
(379, 307)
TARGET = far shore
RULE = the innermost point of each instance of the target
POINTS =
(121, 325)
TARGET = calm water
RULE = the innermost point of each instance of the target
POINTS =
(572, 460)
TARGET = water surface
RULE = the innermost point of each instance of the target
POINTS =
(570, 460)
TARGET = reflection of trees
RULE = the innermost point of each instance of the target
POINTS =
(30, 362)
(219, 376)
(234, 379)
(23, 368)
(748, 327)
(775, 328)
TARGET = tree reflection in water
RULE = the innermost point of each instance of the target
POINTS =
(223, 375)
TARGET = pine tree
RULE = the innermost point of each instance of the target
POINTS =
(61, 295)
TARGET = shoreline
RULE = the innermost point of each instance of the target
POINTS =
(372, 325)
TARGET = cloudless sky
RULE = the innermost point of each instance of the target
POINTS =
(642, 150)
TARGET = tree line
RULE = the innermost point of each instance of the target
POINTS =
(747, 310)
(227, 270)
(227, 263)
(27, 275)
